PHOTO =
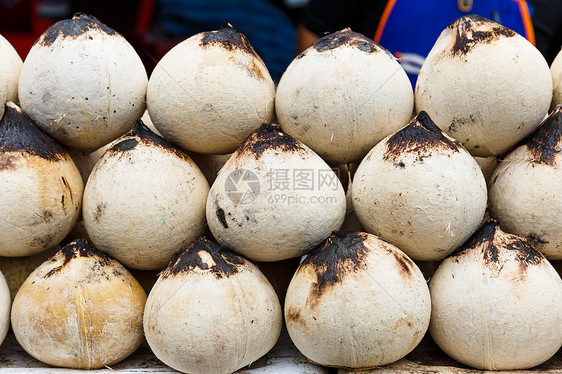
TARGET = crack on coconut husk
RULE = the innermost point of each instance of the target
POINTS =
(228, 38)
(268, 137)
(344, 38)
(140, 133)
(81, 248)
(223, 262)
(420, 136)
(545, 144)
(79, 25)
(18, 133)
(473, 29)
(495, 246)
(339, 254)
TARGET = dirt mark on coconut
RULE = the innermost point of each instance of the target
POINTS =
(268, 137)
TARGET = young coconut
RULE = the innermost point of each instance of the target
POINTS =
(357, 302)
(9, 73)
(275, 198)
(342, 95)
(556, 71)
(228, 316)
(83, 83)
(488, 165)
(485, 85)
(526, 189)
(497, 303)
(420, 190)
(210, 91)
(144, 199)
(41, 187)
(80, 309)
(5, 307)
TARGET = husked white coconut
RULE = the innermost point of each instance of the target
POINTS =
(556, 71)
(420, 190)
(9, 73)
(5, 307)
(526, 189)
(485, 85)
(83, 83)
(85, 161)
(41, 187)
(275, 198)
(357, 302)
(210, 91)
(211, 311)
(497, 303)
(342, 95)
(144, 200)
(80, 309)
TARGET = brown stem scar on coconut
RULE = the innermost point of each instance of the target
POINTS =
(546, 142)
(79, 25)
(348, 38)
(18, 133)
(268, 137)
(420, 136)
(205, 255)
(469, 35)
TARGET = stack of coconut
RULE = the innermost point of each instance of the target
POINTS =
(148, 195)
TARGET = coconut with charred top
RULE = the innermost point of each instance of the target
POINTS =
(485, 85)
(41, 187)
(342, 95)
(420, 190)
(357, 302)
(497, 303)
(9, 73)
(275, 198)
(144, 199)
(211, 311)
(210, 91)
(80, 309)
(83, 83)
(526, 189)
(556, 71)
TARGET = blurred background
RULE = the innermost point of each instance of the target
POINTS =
(153, 27)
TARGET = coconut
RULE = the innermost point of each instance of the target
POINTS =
(485, 85)
(9, 73)
(80, 309)
(275, 198)
(342, 95)
(5, 306)
(83, 83)
(526, 189)
(210, 91)
(420, 190)
(228, 316)
(357, 302)
(85, 161)
(556, 71)
(41, 187)
(497, 303)
(144, 199)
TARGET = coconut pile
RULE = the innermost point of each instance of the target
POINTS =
(205, 209)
